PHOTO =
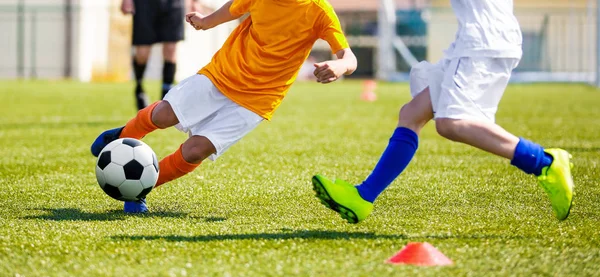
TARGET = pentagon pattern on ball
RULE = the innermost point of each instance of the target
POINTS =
(130, 188)
(142, 155)
(100, 177)
(114, 174)
(121, 154)
(111, 146)
(104, 159)
(112, 191)
(149, 176)
(127, 169)
(144, 192)
(132, 142)
(133, 170)
(155, 162)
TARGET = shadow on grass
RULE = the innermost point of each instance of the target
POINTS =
(313, 235)
(68, 214)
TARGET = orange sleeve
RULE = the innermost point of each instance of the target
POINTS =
(240, 7)
(331, 31)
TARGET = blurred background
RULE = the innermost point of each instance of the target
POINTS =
(90, 40)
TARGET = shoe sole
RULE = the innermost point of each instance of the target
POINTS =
(328, 202)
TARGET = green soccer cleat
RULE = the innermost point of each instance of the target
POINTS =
(342, 197)
(557, 181)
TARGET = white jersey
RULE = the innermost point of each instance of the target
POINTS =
(486, 28)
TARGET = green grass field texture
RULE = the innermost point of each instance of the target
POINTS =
(253, 211)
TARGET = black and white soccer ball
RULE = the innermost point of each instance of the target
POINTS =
(127, 169)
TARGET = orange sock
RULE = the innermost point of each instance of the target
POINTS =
(173, 166)
(141, 124)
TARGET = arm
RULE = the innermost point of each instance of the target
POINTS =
(329, 71)
(220, 16)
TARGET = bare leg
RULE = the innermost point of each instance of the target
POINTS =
(401, 147)
(185, 159)
(163, 115)
(416, 113)
(196, 149)
(170, 52)
(142, 53)
(486, 136)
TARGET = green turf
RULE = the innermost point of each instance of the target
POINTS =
(253, 212)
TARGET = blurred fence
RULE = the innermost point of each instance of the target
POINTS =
(45, 41)
(37, 41)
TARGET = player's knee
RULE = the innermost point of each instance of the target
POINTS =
(197, 149)
(163, 115)
(170, 52)
(448, 128)
(142, 53)
(409, 117)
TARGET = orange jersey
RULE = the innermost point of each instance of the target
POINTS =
(260, 60)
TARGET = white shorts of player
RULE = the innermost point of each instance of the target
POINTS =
(464, 88)
(203, 110)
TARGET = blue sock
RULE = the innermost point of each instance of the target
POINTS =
(530, 157)
(399, 152)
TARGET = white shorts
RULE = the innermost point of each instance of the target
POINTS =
(203, 110)
(464, 88)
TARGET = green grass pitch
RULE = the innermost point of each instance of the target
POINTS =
(253, 211)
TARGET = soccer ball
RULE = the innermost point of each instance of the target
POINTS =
(127, 169)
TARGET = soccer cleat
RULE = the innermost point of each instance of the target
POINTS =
(557, 181)
(104, 139)
(135, 207)
(342, 197)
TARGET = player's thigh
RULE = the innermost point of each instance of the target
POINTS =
(170, 51)
(427, 77)
(230, 124)
(416, 113)
(171, 21)
(195, 100)
(144, 18)
(473, 87)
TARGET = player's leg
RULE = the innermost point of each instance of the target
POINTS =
(552, 166)
(144, 35)
(170, 31)
(169, 66)
(179, 163)
(356, 203)
(140, 60)
(159, 115)
(466, 112)
(214, 122)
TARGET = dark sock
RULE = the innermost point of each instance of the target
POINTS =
(398, 154)
(138, 70)
(168, 75)
(530, 157)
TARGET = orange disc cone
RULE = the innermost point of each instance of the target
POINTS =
(422, 254)
(368, 93)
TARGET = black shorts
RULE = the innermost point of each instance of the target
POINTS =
(158, 21)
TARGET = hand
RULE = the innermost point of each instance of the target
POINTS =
(196, 20)
(329, 71)
(127, 7)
